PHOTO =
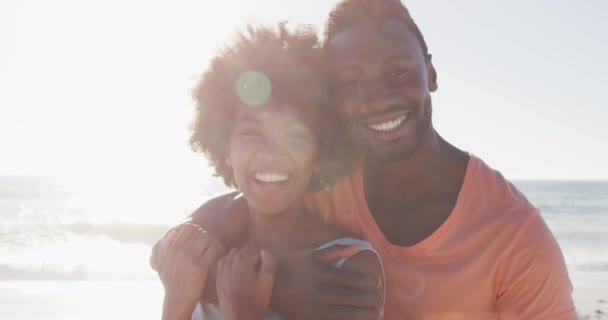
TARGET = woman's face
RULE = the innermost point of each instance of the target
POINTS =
(272, 152)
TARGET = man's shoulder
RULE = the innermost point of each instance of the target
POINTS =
(227, 201)
(488, 188)
(225, 216)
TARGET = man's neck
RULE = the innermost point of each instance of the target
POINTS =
(411, 198)
(436, 167)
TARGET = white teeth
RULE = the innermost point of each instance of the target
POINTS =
(271, 177)
(388, 125)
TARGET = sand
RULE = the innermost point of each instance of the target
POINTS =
(72, 300)
(590, 294)
(92, 300)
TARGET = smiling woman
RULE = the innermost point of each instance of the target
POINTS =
(260, 120)
(234, 84)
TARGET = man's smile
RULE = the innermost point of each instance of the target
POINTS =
(388, 126)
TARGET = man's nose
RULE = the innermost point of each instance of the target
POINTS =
(378, 96)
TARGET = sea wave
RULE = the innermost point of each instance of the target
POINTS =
(12, 273)
(77, 251)
(124, 232)
(121, 232)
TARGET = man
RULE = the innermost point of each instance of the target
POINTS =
(457, 240)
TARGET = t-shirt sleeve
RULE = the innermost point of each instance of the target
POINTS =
(532, 281)
(363, 245)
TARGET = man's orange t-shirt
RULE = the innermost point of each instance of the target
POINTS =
(493, 258)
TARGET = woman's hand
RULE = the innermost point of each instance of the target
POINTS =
(185, 259)
(244, 283)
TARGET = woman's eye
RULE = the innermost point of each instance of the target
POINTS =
(249, 133)
(348, 83)
(345, 80)
(297, 140)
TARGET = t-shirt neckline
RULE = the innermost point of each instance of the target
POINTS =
(371, 229)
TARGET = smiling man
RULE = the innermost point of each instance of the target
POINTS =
(457, 240)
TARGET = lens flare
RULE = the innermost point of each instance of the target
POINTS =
(253, 88)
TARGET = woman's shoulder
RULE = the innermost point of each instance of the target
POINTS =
(319, 232)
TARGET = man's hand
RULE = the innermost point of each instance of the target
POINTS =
(244, 292)
(308, 287)
(184, 260)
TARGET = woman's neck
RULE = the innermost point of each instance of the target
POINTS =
(280, 230)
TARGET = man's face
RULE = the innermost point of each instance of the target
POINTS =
(381, 83)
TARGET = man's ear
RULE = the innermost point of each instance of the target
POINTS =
(431, 74)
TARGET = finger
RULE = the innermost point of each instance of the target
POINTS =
(200, 243)
(268, 270)
(185, 233)
(352, 313)
(349, 297)
(219, 273)
(219, 248)
(231, 256)
(211, 254)
(334, 253)
(248, 257)
(163, 248)
(155, 257)
(349, 279)
(220, 266)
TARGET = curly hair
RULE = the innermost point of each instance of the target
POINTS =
(349, 13)
(289, 64)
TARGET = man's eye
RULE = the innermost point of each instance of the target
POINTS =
(348, 82)
(397, 73)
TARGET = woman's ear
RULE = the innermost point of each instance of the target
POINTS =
(317, 167)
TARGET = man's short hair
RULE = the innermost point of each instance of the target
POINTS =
(349, 13)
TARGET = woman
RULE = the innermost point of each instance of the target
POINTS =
(259, 121)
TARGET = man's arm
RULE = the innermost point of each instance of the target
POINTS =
(348, 294)
(532, 280)
(225, 217)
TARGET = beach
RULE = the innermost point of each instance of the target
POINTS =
(73, 251)
(72, 300)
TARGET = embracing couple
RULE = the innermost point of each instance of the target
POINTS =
(349, 205)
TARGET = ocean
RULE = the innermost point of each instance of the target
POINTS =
(89, 240)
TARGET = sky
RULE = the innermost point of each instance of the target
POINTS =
(102, 88)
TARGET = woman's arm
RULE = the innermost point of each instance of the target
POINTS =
(226, 217)
(244, 290)
(189, 255)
